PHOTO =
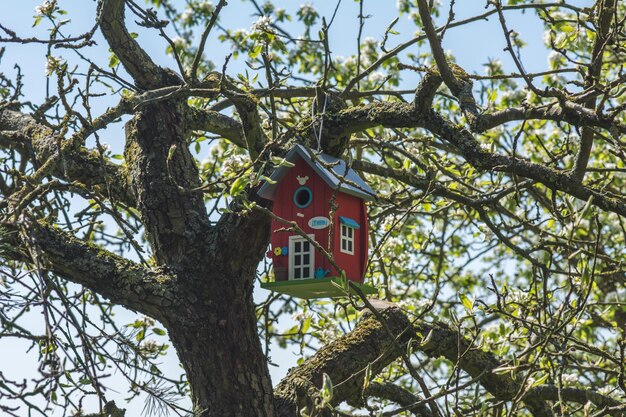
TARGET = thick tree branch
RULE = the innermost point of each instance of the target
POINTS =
(368, 346)
(122, 281)
(553, 178)
(136, 61)
(247, 108)
(214, 122)
(399, 396)
(455, 78)
(606, 12)
(39, 143)
(575, 395)
(345, 361)
(435, 46)
(568, 112)
(402, 115)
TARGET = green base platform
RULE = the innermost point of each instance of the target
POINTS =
(329, 287)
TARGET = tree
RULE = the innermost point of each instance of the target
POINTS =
(498, 235)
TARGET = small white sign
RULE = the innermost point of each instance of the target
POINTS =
(319, 222)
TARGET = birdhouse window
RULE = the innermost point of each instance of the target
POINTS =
(302, 197)
(348, 226)
(347, 239)
(301, 260)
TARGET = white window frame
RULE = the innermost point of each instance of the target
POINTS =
(347, 238)
(292, 244)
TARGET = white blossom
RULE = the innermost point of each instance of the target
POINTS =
(234, 163)
(369, 42)
(553, 57)
(569, 379)
(46, 8)
(147, 321)
(150, 346)
(52, 64)
(560, 38)
(187, 16)
(486, 231)
(301, 316)
(307, 9)
(547, 37)
(516, 296)
(262, 25)
(179, 42)
(206, 6)
(377, 77)
(349, 61)
(402, 4)
(328, 335)
(240, 33)
(387, 224)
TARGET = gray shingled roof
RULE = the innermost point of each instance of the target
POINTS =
(333, 170)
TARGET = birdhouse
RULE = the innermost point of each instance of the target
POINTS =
(326, 199)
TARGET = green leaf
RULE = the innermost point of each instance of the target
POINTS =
(268, 179)
(425, 340)
(564, 27)
(467, 303)
(256, 51)
(170, 153)
(541, 380)
(368, 376)
(282, 162)
(238, 185)
(327, 389)
(140, 335)
(504, 369)
(158, 331)
(113, 61)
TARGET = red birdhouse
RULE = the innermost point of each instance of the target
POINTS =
(326, 199)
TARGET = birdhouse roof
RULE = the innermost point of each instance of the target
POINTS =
(333, 171)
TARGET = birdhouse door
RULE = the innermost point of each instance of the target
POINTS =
(301, 258)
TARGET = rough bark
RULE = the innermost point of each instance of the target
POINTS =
(39, 144)
(369, 345)
(213, 323)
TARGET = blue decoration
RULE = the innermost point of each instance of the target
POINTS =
(285, 250)
(349, 222)
(320, 273)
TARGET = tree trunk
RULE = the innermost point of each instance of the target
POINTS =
(218, 345)
(212, 323)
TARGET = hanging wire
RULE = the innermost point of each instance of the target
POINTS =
(319, 134)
